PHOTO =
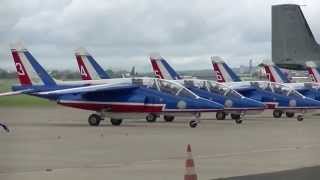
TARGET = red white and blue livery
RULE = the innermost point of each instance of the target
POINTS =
(234, 103)
(114, 98)
(277, 96)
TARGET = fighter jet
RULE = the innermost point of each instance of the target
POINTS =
(279, 97)
(116, 98)
(235, 104)
(308, 89)
(292, 40)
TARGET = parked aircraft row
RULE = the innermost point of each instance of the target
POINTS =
(168, 94)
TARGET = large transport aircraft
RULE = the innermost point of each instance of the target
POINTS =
(279, 97)
(116, 98)
(292, 40)
(234, 103)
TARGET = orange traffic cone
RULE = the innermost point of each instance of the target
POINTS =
(190, 173)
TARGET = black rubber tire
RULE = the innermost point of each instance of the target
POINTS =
(300, 118)
(151, 118)
(238, 121)
(235, 116)
(115, 122)
(277, 114)
(193, 123)
(290, 114)
(94, 120)
(168, 118)
(220, 115)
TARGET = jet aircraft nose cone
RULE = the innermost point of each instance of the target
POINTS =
(312, 103)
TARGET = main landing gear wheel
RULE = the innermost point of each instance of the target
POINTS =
(300, 118)
(237, 118)
(277, 114)
(221, 115)
(151, 118)
(168, 118)
(193, 123)
(94, 120)
(116, 122)
(289, 114)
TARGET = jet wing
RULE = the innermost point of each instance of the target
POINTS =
(12, 93)
(90, 89)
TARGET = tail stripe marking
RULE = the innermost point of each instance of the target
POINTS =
(21, 71)
(83, 69)
(156, 69)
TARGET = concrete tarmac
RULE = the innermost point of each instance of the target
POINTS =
(57, 143)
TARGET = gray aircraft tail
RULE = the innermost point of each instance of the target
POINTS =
(292, 40)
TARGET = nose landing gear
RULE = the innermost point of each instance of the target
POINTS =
(237, 118)
(194, 123)
(300, 117)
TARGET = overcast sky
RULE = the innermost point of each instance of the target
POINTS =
(122, 33)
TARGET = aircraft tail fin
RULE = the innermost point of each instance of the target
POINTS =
(274, 73)
(222, 71)
(29, 71)
(313, 71)
(162, 69)
(133, 71)
(292, 40)
(88, 66)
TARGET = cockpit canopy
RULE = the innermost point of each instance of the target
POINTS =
(307, 85)
(276, 88)
(211, 86)
(164, 86)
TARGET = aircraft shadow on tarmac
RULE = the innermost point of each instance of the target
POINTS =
(310, 173)
(129, 123)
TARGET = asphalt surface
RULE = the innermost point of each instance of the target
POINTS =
(57, 143)
(310, 173)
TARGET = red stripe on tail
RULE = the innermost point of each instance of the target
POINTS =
(269, 74)
(83, 69)
(312, 75)
(156, 69)
(219, 76)
(21, 71)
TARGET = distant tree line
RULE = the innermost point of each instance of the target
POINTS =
(60, 74)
